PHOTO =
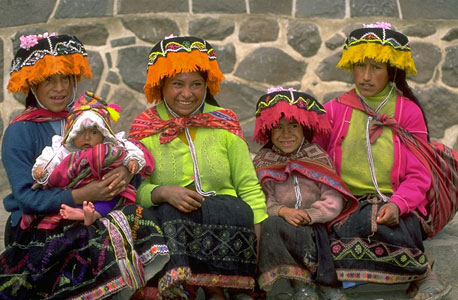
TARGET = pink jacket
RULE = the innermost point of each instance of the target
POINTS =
(410, 180)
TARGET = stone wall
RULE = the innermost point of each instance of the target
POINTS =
(259, 44)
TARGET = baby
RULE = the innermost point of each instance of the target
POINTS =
(87, 151)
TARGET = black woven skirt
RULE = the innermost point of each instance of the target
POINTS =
(74, 261)
(365, 251)
(212, 246)
(299, 253)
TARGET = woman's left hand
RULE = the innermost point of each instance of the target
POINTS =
(120, 177)
(388, 214)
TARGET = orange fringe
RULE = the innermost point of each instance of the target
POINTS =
(28, 76)
(181, 62)
(399, 58)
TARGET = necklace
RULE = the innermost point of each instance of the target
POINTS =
(368, 143)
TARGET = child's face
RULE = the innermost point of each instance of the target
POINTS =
(88, 138)
(287, 136)
(55, 92)
(370, 77)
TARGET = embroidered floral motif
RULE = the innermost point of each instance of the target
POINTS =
(384, 25)
(376, 253)
(379, 251)
(31, 40)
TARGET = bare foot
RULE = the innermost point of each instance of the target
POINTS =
(90, 215)
(71, 213)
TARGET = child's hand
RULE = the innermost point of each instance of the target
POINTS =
(132, 166)
(295, 217)
(388, 214)
(38, 173)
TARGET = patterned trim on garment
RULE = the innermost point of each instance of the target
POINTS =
(173, 277)
(107, 289)
(229, 281)
(180, 275)
(268, 278)
(153, 252)
(359, 249)
(376, 277)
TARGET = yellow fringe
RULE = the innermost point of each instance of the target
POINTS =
(398, 58)
(181, 62)
(28, 76)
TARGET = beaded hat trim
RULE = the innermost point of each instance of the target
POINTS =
(175, 55)
(290, 104)
(59, 54)
(380, 44)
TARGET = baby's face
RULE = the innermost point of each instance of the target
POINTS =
(88, 138)
(287, 135)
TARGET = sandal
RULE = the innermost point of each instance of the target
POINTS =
(330, 293)
(430, 286)
(306, 293)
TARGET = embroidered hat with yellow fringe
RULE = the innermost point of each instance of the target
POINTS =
(41, 56)
(380, 43)
(174, 55)
(290, 104)
(89, 111)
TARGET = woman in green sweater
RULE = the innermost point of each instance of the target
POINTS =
(204, 189)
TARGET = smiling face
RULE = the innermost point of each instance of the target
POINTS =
(184, 92)
(370, 77)
(88, 138)
(287, 135)
(55, 92)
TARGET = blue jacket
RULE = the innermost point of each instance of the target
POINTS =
(23, 142)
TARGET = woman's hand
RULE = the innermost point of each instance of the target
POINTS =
(99, 190)
(118, 177)
(183, 199)
(388, 214)
(295, 217)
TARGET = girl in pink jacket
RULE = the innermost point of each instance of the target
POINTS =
(382, 241)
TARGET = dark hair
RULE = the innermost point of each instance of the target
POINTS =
(210, 99)
(31, 100)
(398, 76)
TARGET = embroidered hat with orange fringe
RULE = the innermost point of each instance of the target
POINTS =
(290, 104)
(41, 56)
(174, 55)
(380, 43)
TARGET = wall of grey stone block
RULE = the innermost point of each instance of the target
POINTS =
(259, 44)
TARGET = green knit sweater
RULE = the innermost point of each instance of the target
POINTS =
(224, 163)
